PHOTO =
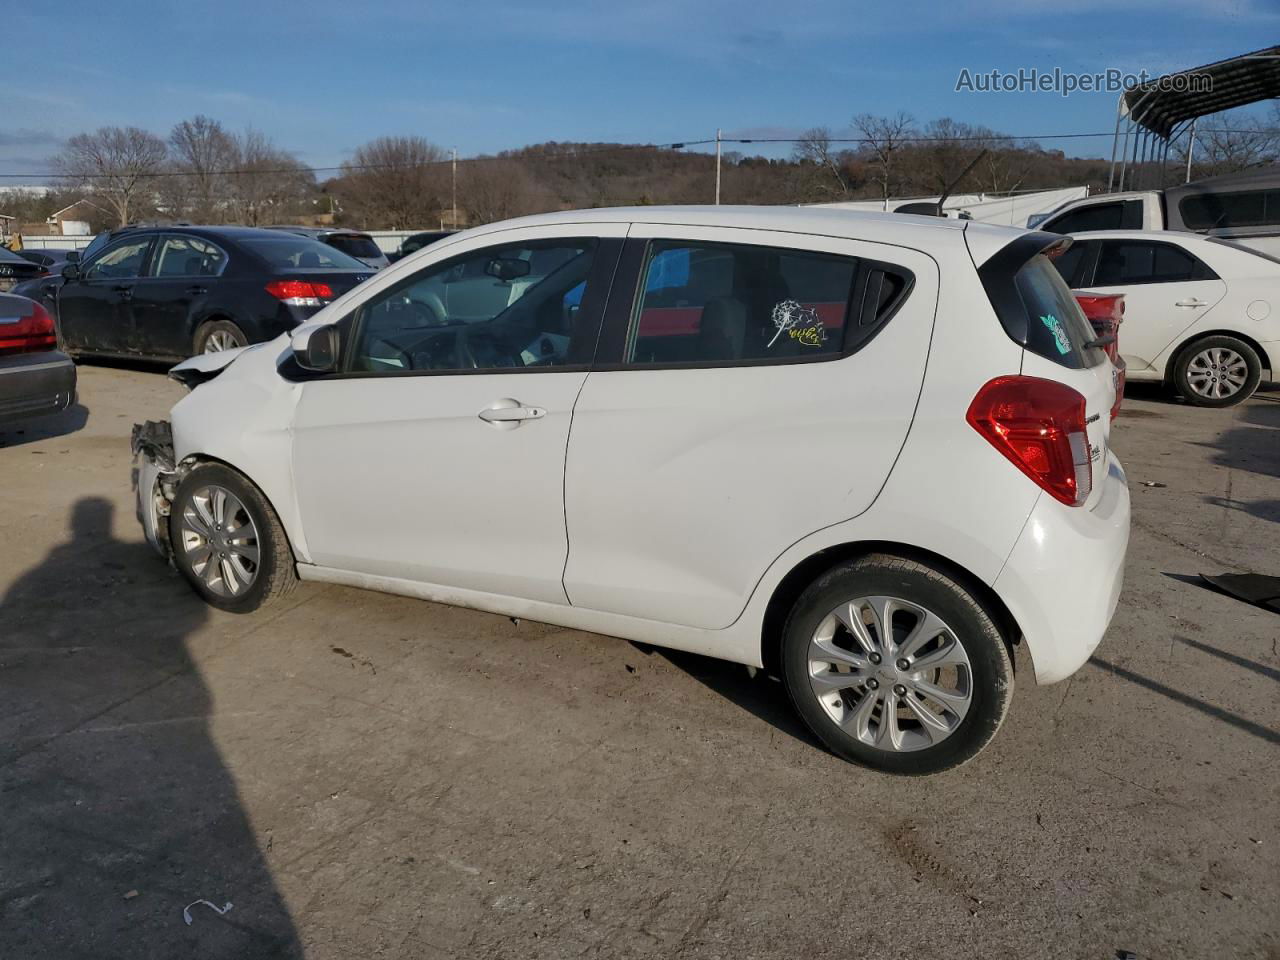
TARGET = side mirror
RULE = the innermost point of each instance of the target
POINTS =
(73, 256)
(507, 268)
(316, 347)
(71, 271)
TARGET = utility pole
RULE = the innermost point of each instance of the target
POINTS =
(1191, 149)
(717, 166)
(454, 204)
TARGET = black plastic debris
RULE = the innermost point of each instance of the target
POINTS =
(1255, 588)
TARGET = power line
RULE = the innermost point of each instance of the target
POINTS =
(576, 153)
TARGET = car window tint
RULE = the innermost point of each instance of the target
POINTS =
(1056, 326)
(188, 257)
(1245, 208)
(721, 303)
(354, 245)
(300, 253)
(1135, 261)
(499, 308)
(1068, 263)
(123, 260)
(1125, 215)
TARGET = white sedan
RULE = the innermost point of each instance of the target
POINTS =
(1201, 314)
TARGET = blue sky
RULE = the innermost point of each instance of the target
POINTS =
(320, 77)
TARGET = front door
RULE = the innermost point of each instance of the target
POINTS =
(1166, 290)
(95, 309)
(182, 271)
(760, 389)
(437, 455)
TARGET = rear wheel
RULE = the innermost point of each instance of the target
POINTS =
(1217, 371)
(894, 665)
(228, 542)
(219, 335)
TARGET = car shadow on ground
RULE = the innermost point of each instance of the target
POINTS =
(61, 424)
(1253, 446)
(118, 809)
(759, 695)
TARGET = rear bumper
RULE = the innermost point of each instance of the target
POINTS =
(1062, 581)
(36, 384)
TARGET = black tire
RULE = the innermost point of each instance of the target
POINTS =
(1182, 372)
(990, 669)
(274, 572)
(225, 327)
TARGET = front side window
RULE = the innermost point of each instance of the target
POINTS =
(500, 308)
(188, 257)
(1123, 262)
(1122, 215)
(726, 303)
(122, 261)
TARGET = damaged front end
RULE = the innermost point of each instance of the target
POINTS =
(155, 480)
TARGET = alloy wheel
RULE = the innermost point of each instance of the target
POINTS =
(220, 541)
(220, 340)
(890, 673)
(1217, 373)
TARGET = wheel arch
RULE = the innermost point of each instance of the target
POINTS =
(197, 458)
(1176, 353)
(213, 315)
(799, 577)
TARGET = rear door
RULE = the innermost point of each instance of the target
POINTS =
(95, 311)
(1166, 290)
(182, 274)
(751, 387)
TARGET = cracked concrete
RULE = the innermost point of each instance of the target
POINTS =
(371, 776)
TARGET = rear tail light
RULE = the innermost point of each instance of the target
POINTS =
(28, 334)
(300, 293)
(1039, 425)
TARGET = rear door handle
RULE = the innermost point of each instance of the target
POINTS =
(197, 291)
(125, 290)
(509, 414)
(1193, 302)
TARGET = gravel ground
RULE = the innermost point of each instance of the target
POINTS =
(371, 776)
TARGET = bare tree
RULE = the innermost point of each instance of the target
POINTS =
(268, 184)
(823, 174)
(395, 183)
(118, 164)
(202, 152)
(946, 149)
(1230, 142)
(885, 139)
(496, 189)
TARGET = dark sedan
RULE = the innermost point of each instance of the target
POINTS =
(351, 242)
(15, 269)
(416, 241)
(35, 378)
(171, 292)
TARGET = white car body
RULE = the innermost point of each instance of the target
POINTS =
(1241, 297)
(669, 506)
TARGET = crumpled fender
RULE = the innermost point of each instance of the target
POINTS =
(205, 366)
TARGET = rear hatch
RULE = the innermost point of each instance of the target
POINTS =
(1039, 311)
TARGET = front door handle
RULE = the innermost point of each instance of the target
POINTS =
(197, 291)
(1193, 302)
(509, 414)
(125, 290)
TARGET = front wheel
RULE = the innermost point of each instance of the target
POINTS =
(1217, 372)
(894, 665)
(228, 542)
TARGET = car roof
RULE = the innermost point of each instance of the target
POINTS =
(907, 230)
(1174, 236)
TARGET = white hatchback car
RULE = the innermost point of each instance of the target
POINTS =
(866, 452)
(1201, 314)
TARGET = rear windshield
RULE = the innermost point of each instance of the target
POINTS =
(354, 245)
(1056, 326)
(300, 253)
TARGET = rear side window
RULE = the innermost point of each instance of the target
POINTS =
(720, 304)
(354, 245)
(1121, 215)
(1124, 262)
(299, 253)
(1069, 263)
(1056, 326)
(1246, 208)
